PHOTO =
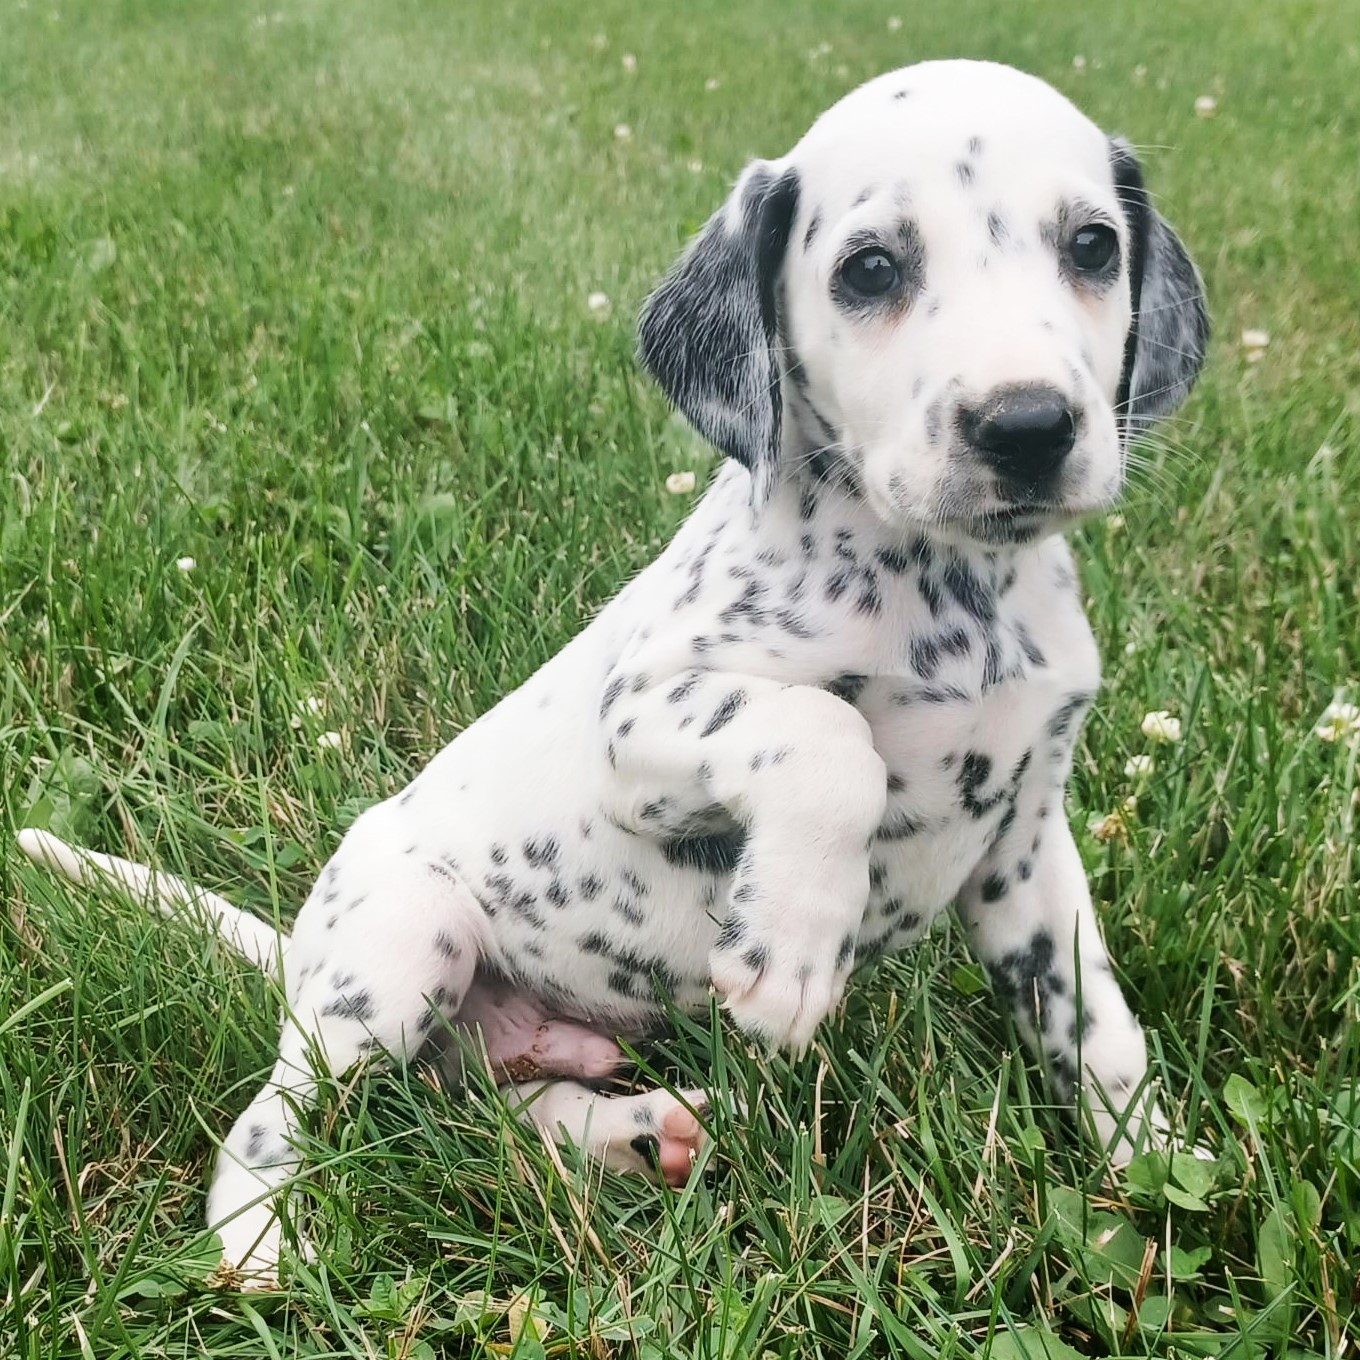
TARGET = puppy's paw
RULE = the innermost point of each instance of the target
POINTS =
(778, 992)
(1147, 1130)
(666, 1138)
(252, 1245)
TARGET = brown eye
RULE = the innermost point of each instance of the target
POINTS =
(1092, 248)
(871, 273)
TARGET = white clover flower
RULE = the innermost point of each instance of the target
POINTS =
(598, 303)
(629, 62)
(185, 564)
(622, 132)
(1206, 106)
(329, 741)
(1340, 722)
(894, 23)
(1139, 768)
(712, 83)
(695, 167)
(680, 483)
(1159, 725)
(1078, 62)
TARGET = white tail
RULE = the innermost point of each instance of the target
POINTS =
(250, 937)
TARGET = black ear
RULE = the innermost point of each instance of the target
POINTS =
(1170, 329)
(709, 333)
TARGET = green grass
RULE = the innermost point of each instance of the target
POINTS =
(301, 295)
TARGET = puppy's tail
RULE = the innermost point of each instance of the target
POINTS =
(247, 935)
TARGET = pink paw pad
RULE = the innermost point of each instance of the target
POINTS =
(672, 1150)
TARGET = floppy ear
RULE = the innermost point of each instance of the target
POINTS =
(1170, 329)
(709, 333)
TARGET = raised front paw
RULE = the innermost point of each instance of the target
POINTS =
(780, 987)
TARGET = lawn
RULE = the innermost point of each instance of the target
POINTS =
(313, 443)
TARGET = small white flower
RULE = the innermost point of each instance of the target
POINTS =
(1140, 74)
(186, 564)
(712, 83)
(1078, 62)
(329, 741)
(695, 167)
(680, 483)
(1254, 344)
(1206, 106)
(1139, 768)
(1130, 647)
(1339, 722)
(598, 303)
(1114, 522)
(1159, 725)
(622, 132)
(894, 23)
(629, 63)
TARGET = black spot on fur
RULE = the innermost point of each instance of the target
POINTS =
(994, 888)
(1061, 723)
(1025, 979)
(542, 853)
(611, 694)
(732, 932)
(725, 712)
(350, 1006)
(845, 951)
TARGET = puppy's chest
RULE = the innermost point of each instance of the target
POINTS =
(974, 717)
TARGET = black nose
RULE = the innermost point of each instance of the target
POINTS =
(1024, 431)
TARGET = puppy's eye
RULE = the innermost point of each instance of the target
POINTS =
(1093, 247)
(871, 272)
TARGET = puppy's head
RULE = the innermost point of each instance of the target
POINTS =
(952, 297)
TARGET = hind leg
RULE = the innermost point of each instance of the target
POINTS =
(381, 952)
(652, 1133)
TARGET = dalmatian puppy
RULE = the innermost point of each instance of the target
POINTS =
(843, 698)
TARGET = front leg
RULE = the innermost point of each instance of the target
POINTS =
(795, 768)
(1028, 908)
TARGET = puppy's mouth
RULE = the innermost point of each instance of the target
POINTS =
(1011, 525)
(1024, 521)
